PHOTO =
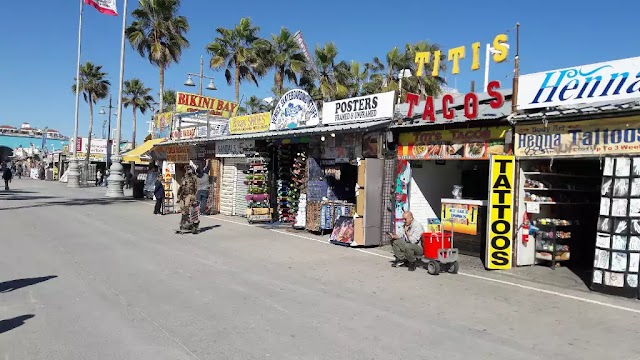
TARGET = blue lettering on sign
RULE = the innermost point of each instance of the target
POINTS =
(575, 83)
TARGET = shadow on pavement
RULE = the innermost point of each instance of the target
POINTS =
(12, 285)
(72, 202)
(10, 324)
(7, 192)
(26, 197)
(203, 229)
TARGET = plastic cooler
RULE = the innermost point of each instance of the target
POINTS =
(432, 242)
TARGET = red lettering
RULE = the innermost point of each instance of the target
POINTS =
(182, 98)
(205, 102)
(192, 100)
(220, 105)
(429, 110)
(499, 99)
(446, 112)
(412, 99)
(471, 109)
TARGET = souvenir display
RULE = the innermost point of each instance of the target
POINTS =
(617, 253)
(256, 179)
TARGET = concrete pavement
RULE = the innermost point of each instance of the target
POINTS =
(105, 279)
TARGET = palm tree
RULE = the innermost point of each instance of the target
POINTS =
(137, 96)
(287, 60)
(239, 49)
(252, 104)
(385, 77)
(425, 84)
(169, 100)
(328, 84)
(93, 86)
(158, 33)
(359, 76)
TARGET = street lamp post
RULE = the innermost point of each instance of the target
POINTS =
(404, 73)
(109, 144)
(201, 76)
(115, 188)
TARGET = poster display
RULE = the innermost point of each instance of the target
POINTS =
(617, 255)
(460, 144)
(500, 212)
(579, 138)
(403, 179)
(464, 217)
(186, 102)
(162, 125)
(249, 123)
(343, 230)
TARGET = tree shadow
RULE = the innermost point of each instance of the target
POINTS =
(72, 202)
(10, 324)
(11, 191)
(12, 285)
(27, 197)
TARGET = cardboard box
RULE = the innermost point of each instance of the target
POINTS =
(362, 168)
(360, 202)
(358, 231)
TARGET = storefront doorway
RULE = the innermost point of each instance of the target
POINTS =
(558, 209)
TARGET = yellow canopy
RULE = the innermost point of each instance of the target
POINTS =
(136, 154)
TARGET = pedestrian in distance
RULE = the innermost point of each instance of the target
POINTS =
(6, 176)
(19, 171)
(158, 193)
(98, 177)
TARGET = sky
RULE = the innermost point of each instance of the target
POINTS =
(39, 44)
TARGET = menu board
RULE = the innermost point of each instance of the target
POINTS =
(461, 144)
(463, 216)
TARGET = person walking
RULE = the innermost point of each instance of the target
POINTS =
(19, 171)
(158, 193)
(98, 177)
(6, 176)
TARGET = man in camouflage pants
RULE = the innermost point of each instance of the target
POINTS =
(187, 194)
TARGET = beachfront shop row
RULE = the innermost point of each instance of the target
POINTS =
(287, 167)
(556, 185)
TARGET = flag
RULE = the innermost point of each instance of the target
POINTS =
(107, 7)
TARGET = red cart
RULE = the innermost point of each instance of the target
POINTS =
(439, 253)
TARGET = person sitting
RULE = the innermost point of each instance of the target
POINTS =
(408, 243)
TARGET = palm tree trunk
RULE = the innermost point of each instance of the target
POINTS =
(161, 88)
(88, 157)
(133, 140)
(237, 76)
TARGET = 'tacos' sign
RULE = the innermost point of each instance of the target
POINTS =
(606, 81)
(295, 109)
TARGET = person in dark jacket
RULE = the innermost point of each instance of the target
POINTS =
(6, 176)
(158, 192)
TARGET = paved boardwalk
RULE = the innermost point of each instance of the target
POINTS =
(85, 277)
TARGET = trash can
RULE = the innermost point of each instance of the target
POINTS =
(138, 189)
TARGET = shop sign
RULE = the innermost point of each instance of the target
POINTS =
(463, 216)
(580, 138)
(500, 212)
(162, 125)
(606, 81)
(470, 104)
(186, 102)
(295, 109)
(363, 108)
(250, 123)
(177, 154)
(234, 148)
(207, 151)
(454, 55)
(460, 144)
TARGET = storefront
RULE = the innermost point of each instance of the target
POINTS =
(444, 169)
(579, 177)
(233, 183)
(307, 176)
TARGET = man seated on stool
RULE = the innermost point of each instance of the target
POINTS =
(408, 244)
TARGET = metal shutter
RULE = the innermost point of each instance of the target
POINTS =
(240, 208)
(227, 186)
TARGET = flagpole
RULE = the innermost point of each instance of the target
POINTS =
(74, 174)
(115, 180)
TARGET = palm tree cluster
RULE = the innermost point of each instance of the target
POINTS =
(246, 57)
(158, 33)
